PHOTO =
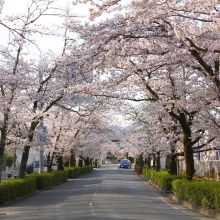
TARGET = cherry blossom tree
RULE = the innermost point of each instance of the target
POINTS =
(158, 51)
(14, 66)
(93, 141)
(162, 54)
(76, 131)
(30, 84)
(1, 5)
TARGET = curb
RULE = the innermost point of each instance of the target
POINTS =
(18, 199)
(196, 208)
(34, 193)
(207, 212)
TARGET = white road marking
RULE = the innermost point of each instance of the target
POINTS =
(91, 208)
(174, 207)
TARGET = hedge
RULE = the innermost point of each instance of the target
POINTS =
(13, 188)
(74, 172)
(45, 180)
(162, 178)
(205, 193)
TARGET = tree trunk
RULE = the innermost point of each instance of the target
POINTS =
(173, 164)
(72, 159)
(90, 161)
(24, 160)
(141, 161)
(137, 161)
(49, 162)
(167, 162)
(187, 144)
(149, 161)
(2, 150)
(154, 161)
(96, 163)
(80, 163)
(146, 161)
(157, 161)
(188, 155)
(185, 122)
(26, 150)
(60, 165)
(126, 155)
(1, 163)
(87, 161)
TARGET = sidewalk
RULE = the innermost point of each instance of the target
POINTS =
(206, 212)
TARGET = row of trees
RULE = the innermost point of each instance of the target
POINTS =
(163, 54)
(34, 91)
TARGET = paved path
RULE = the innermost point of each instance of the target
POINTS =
(107, 193)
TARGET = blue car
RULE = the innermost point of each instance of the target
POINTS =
(125, 163)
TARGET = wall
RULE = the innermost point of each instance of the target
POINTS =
(209, 169)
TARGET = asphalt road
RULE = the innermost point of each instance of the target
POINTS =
(107, 193)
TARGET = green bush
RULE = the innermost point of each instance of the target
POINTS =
(78, 171)
(147, 173)
(204, 193)
(85, 169)
(60, 176)
(44, 180)
(217, 198)
(74, 172)
(90, 168)
(30, 185)
(177, 188)
(4, 192)
(71, 172)
(161, 178)
(11, 189)
(9, 160)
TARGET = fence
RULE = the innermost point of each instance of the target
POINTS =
(209, 169)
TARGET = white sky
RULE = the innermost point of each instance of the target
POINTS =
(12, 7)
(20, 6)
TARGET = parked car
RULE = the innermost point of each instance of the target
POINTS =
(108, 161)
(124, 163)
(35, 165)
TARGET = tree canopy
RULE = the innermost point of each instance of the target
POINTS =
(153, 62)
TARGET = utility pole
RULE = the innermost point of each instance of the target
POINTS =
(41, 128)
